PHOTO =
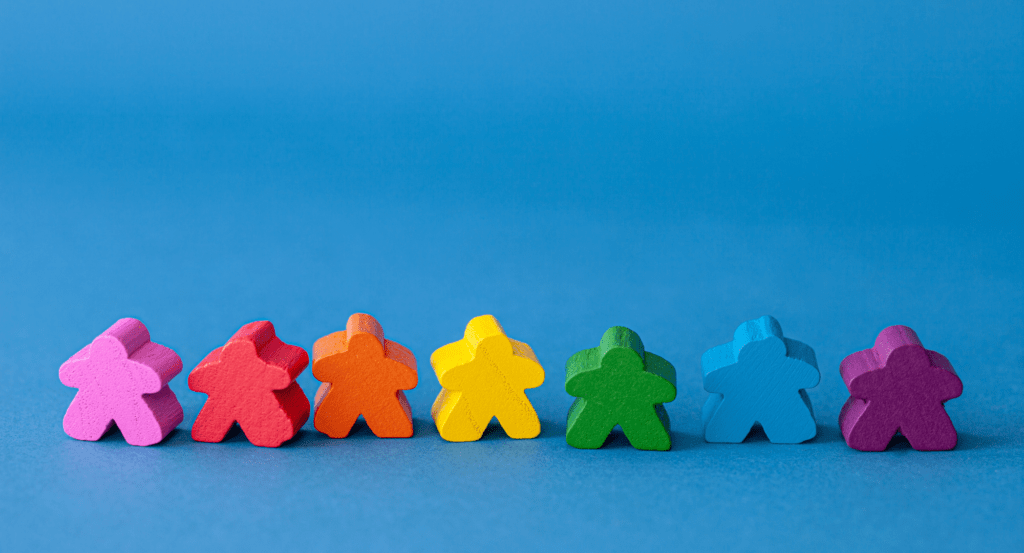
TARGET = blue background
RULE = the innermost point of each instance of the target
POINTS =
(676, 168)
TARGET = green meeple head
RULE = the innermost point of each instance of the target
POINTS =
(622, 349)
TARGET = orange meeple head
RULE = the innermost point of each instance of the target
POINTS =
(364, 333)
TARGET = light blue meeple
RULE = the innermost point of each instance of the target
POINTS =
(759, 377)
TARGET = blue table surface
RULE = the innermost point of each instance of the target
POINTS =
(676, 170)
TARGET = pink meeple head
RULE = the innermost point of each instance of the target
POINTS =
(893, 338)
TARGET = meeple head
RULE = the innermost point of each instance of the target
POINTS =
(120, 341)
(621, 348)
(364, 333)
(107, 347)
(239, 351)
(908, 358)
(759, 337)
(892, 338)
(485, 333)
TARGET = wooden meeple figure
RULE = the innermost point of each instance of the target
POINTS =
(898, 386)
(619, 383)
(485, 375)
(122, 379)
(363, 374)
(759, 377)
(251, 381)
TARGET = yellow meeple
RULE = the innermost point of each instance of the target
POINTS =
(482, 376)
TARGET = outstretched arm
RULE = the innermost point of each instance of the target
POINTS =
(405, 365)
(857, 364)
(713, 363)
(274, 377)
(453, 365)
(71, 371)
(805, 363)
(156, 365)
(528, 371)
(447, 362)
(580, 364)
(715, 380)
(660, 378)
(580, 384)
(659, 366)
(199, 380)
(947, 383)
(864, 385)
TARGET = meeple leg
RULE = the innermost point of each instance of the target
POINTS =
(518, 418)
(710, 407)
(334, 416)
(588, 425)
(391, 418)
(455, 417)
(86, 420)
(789, 422)
(930, 429)
(648, 429)
(867, 426)
(267, 423)
(150, 418)
(213, 422)
(728, 421)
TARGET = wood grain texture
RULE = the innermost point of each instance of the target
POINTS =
(122, 379)
(363, 374)
(759, 377)
(251, 381)
(898, 386)
(619, 383)
(484, 375)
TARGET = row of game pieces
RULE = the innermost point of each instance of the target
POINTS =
(759, 377)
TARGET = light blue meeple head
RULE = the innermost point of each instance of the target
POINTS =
(762, 335)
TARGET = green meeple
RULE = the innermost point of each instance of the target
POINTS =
(619, 383)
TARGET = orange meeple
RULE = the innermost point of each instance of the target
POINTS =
(363, 374)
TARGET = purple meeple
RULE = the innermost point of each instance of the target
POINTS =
(898, 386)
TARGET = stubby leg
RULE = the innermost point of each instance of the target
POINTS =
(213, 422)
(455, 419)
(727, 421)
(519, 419)
(930, 430)
(86, 420)
(867, 426)
(790, 422)
(589, 425)
(334, 416)
(649, 432)
(391, 419)
(151, 418)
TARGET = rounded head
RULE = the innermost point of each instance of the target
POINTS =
(239, 351)
(909, 357)
(770, 347)
(107, 347)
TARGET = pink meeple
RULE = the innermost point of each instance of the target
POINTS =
(898, 386)
(122, 379)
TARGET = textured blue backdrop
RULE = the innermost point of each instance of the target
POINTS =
(675, 168)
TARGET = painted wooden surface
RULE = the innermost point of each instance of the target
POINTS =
(482, 376)
(363, 373)
(122, 379)
(898, 386)
(759, 377)
(619, 383)
(251, 381)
